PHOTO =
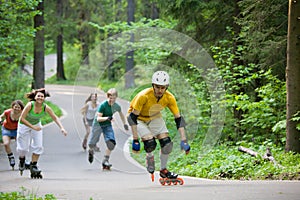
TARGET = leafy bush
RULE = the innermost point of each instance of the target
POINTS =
(226, 162)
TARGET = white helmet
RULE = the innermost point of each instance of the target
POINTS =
(160, 78)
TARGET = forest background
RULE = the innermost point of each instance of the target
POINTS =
(247, 41)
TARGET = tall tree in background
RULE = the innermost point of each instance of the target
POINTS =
(150, 9)
(293, 77)
(39, 54)
(129, 77)
(60, 74)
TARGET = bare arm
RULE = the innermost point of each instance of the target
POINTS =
(56, 120)
(2, 116)
(134, 127)
(100, 117)
(83, 112)
(122, 117)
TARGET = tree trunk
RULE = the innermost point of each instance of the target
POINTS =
(238, 113)
(83, 33)
(129, 76)
(60, 74)
(154, 11)
(293, 77)
(39, 54)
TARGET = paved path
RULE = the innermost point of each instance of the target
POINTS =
(68, 175)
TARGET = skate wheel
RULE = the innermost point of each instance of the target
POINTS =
(152, 177)
(169, 182)
(180, 181)
(162, 181)
(175, 182)
(106, 168)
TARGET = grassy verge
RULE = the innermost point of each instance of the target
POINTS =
(24, 194)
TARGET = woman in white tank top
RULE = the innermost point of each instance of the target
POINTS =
(88, 111)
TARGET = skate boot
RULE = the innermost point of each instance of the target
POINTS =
(105, 164)
(84, 143)
(11, 160)
(168, 177)
(91, 156)
(27, 164)
(150, 166)
(35, 172)
(21, 165)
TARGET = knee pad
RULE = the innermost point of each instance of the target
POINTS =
(149, 145)
(166, 145)
(111, 144)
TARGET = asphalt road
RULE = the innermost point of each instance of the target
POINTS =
(68, 174)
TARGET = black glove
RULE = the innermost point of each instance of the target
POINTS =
(109, 118)
(126, 127)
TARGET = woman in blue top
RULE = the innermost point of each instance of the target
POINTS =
(30, 129)
(102, 123)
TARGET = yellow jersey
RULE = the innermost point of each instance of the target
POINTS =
(149, 106)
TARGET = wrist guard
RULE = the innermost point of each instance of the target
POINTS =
(132, 119)
(180, 122)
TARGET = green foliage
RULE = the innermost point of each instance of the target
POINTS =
(24, 194)
(16, 30)
(255, 94)
(47, 119)
(226, 162)
(12, 87)
(263, 31)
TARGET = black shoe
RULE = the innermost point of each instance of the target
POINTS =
(91, 156)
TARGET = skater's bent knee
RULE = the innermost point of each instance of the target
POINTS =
(111, 144)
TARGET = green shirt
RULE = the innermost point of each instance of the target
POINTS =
(35, 118)
(108, 110)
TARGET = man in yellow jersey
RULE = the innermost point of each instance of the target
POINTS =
(145, 119)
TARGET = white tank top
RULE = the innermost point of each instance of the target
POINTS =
(90, 113)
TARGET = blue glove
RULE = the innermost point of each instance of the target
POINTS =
(136, 146)
(185, 146)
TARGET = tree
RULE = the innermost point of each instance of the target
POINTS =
(39, 54)
(293, 77)
(60, 74)
(129, 78)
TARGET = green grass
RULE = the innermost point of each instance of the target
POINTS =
(47, 119)
(24, 194)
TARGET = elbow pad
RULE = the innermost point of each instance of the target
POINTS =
(132, 119)
(180, 122)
